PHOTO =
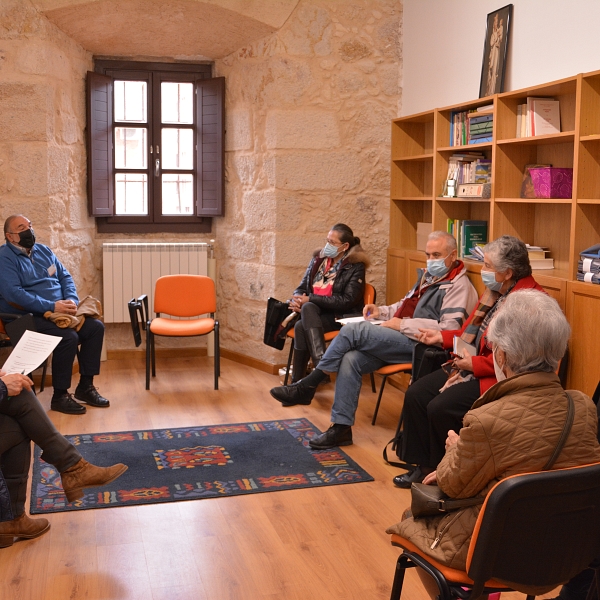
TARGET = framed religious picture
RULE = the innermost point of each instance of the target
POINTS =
(494, 51)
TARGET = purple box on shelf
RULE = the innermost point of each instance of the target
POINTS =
(552, 182)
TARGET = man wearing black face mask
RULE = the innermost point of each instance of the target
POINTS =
(33, 280)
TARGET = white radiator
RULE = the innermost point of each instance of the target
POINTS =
(131, 270)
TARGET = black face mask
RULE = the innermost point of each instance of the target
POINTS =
(27, 238)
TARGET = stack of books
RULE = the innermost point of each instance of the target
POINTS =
(539, 116)
(469, 174)
(474, 126)
(538, 258)
(588, 268)
(469, 234)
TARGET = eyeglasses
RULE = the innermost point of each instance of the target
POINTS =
(338, 245)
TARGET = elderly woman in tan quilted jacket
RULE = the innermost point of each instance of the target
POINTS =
(512, 428)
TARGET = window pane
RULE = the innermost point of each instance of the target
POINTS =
(131, 101)
(177, 102)
(177, 194)
(131, 194)
(177, 149)
(130, 148)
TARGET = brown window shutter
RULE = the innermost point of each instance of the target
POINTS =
(210, 105)
(99, 145)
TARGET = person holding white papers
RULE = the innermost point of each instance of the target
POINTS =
(33, 280)
(436, 404)
(442, 297)
(23, 420)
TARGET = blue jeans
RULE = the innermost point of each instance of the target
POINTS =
(358, 349)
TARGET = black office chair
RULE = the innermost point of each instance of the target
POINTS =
(534, 530)
(13, 327)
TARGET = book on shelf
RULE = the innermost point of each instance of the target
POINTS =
(527, 189)
(472, 234)
(476, 252)
(466, 168)
(482, 140)
(519, 120)
(474, 190)
(536, 251)
(529, 115)
(589, 265)
(486, 108)
(546, 117)
(467, 123)
(542, 263)
(467, 233)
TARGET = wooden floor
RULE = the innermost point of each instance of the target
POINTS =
(325, 544)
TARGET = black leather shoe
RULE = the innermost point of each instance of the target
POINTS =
(336, 435)
(406, 480)
(297, 393)
(91, 397)
(65, 404)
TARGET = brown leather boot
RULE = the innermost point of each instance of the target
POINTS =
(83, 475)
(21, 527)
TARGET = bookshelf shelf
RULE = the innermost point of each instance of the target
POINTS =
(467, 148)
(551, 138)
(567, 226)
(417, 157)
(535, 200)
(463, 200)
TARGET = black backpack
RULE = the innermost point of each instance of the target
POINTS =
(426, 360)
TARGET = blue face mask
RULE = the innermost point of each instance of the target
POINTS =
(489, 280)
(437, 267)
(330, 251)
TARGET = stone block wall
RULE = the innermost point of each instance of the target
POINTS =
(308, 144)
(308, 113)
(42, 141)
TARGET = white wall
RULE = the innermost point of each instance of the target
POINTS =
(443, 46)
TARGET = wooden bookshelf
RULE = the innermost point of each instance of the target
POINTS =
(420, 155)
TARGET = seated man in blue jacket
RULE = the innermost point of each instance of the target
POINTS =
(442, 298)
(33, 280)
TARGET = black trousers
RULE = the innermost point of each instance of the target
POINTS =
(312, 316)
(23, 419)
(89, 337)
(429, 415)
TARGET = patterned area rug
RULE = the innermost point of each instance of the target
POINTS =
(192, 463)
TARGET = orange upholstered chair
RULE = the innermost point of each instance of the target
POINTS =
(182, 296)
(368, 298)
(534, 529)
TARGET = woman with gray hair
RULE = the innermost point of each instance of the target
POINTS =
(513, 428)
(436, 403)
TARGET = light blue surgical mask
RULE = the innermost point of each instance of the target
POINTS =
(437, 267)
(489, 280)
(330, 251)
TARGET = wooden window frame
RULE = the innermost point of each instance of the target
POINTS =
(208, 139)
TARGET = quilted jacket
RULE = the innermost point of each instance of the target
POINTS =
(348, 287)
(513, 428)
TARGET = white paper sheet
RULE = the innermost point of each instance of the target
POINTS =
(31, 351)
(359, 320)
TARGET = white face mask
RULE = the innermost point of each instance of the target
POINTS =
(499, 373)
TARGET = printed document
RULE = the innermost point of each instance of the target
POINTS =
(359, 320)
(31, 351)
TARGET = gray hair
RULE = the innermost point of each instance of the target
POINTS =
(531, 330)
(443, 235)
(508, 252)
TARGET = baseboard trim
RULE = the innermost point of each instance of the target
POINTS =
(160, 352)
(261, 365)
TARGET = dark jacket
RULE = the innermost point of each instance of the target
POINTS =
(348, 287)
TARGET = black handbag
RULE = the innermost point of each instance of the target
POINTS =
(276, 326)
(429, 500)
